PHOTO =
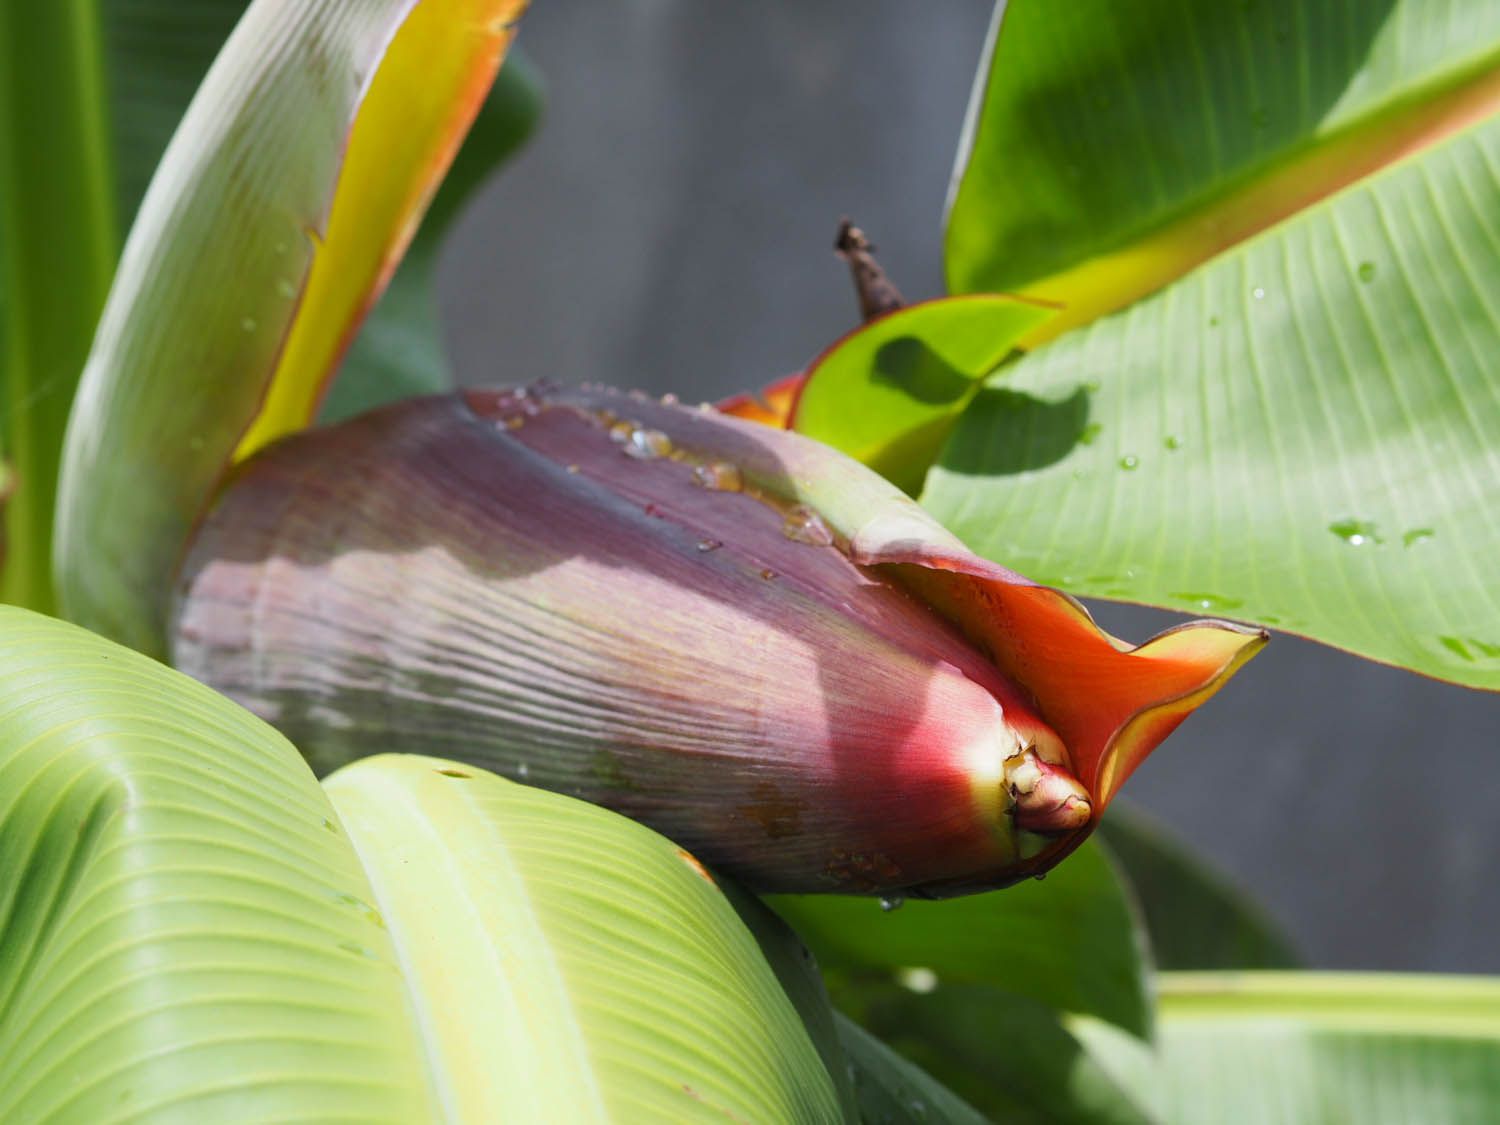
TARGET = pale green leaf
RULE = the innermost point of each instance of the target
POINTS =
(1303, 1047)
(187, 932)
(567, 964)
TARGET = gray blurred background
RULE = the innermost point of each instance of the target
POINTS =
(670, 228)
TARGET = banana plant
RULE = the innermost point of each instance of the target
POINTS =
(420, 938)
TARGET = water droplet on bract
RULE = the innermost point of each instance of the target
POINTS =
(1093, 386)
(1416, 535)
(1213, 322)
(718, 476)
(707, 545)
(669, 399)
(1172, 442)
(572, 468)
(619, 432)
(1258, 293)
(803, 525)
(1366, 272)
(892, 902)
(330, 826)
(1130, 462)
(1087, 435)
(286, 289)
(1355, 532)
(647, 445)
(522, 770)
(279, 248)
(248, 324)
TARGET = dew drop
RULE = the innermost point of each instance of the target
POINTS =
(619, 432)
(918, 980)
(1130, 462)
(330, 826)
(523, 770)
(718, 476)
(1258, 293)
(248, 324)
(1416, 535)
(669, 399)
(1366, 272)
(286, 289)
(803, 525)
(1089, 433)
(706, 545)
(1208, 601)
(647, 445)
(892, 902)
(1093, 386)
(572, 468)
(1213, 322)
(1356, 533)
(1172, 442)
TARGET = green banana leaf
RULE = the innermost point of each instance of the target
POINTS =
(1302, 1047)
(193, 929)
(1301, 430)
(280, 209)
(94, 89)
(1197, 918)
(1072, 942)
(1304, 433)
(158, 52)
(1111, 148)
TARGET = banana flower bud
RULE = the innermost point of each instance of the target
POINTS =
(731, 633)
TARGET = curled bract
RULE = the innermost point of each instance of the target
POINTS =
(732, 633)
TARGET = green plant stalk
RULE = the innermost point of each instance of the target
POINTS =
(57, 252)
